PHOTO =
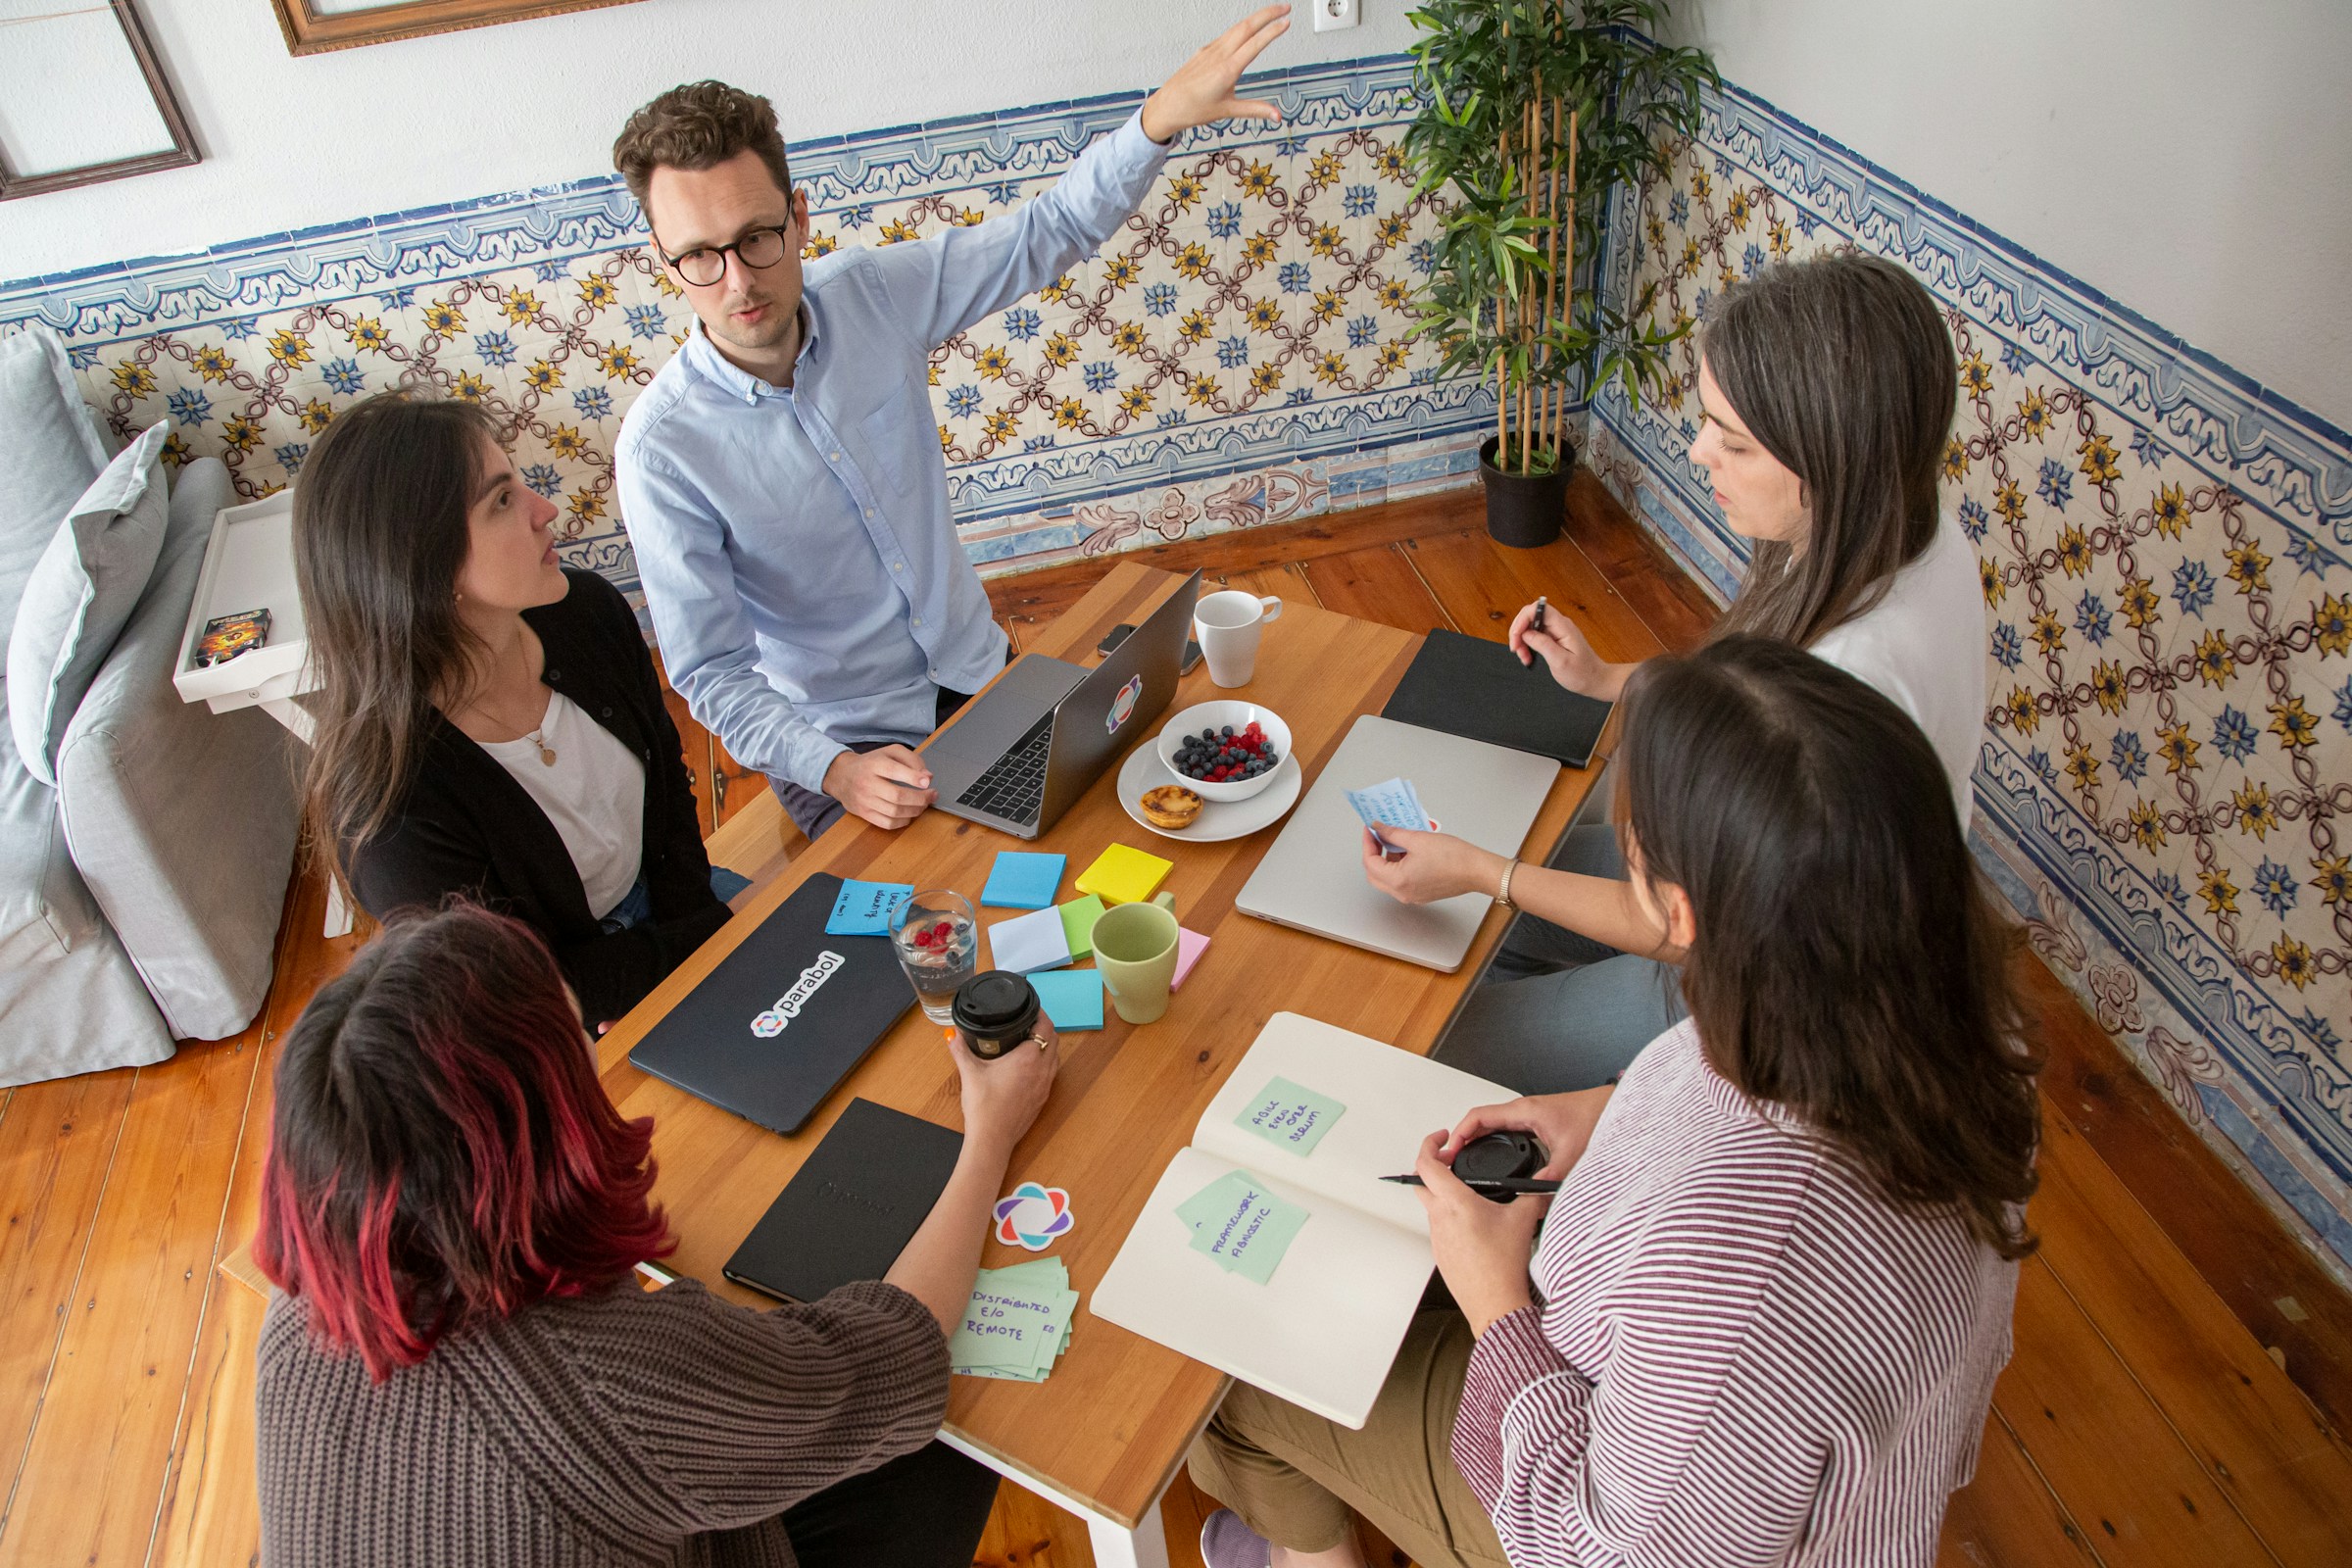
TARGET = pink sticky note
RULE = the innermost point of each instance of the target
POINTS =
(1190, 945)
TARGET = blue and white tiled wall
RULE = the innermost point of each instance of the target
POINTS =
(2166, 551)
(1238, 355)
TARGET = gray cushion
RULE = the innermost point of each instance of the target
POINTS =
(50, 451)
(79, 596)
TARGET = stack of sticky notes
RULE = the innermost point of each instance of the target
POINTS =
(1071, 997)
(1124, 875)
(1242, 1227)
(1017, 1324)
(1023, 881)
(1029, 943)
(864, 908)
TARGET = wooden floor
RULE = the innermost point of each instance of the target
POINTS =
(2181, 1368)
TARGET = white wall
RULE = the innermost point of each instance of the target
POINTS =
(288, 143)
(2188, 158)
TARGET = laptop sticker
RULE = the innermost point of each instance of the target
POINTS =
(1122, 707)
(770, 1023)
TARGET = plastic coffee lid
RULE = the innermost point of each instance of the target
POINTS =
(1498, 1156)
(995, 1000)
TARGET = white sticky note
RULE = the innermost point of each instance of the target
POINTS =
(1030, 943)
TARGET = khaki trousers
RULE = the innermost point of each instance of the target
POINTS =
(1293, 1476)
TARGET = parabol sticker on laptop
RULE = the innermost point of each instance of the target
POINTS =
(770, 1023)
(1122, 707)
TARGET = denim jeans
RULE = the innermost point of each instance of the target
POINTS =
(637, 905)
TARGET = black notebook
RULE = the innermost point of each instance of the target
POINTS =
(1479, 690)
(784, 1017)
(853, 1207)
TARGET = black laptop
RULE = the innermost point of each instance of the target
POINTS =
(1479, 690)
(784, 1017)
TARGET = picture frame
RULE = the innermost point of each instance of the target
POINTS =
(309, 31)
(182, 153)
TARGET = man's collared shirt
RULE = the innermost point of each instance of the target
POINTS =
(795, 547)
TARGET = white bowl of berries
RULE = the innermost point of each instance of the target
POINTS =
(1225, 750)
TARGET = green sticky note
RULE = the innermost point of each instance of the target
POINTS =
(1016, 1323)
(1078, 917)
(1291, 1116)
(1241, 1226)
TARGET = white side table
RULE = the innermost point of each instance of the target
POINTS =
(248, 564)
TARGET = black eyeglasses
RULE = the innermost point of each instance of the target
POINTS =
(760, 249)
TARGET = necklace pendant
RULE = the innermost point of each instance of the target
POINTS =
(547, 755)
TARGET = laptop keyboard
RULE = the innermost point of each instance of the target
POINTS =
(1014, 786)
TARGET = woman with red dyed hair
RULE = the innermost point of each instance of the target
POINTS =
(461, 1369)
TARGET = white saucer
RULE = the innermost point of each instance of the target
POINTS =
(1219, 820)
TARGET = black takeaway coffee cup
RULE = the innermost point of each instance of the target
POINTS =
(996, 1011)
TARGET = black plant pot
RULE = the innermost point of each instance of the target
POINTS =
(1524, 510)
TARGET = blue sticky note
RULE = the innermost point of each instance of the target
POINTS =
(1023, 881)
(864, 908)
(1071, 997)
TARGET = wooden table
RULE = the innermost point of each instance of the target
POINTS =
(1104, 1434)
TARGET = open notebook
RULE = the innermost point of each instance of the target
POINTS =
(1323, 1328)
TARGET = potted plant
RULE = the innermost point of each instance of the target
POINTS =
(1532, 111)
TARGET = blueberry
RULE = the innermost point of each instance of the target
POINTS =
(1226, 732)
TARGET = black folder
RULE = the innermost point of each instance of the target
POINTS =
(784, 1017)
(853, 1207)
(1479, 690)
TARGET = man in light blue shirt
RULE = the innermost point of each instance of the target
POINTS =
(781, 478)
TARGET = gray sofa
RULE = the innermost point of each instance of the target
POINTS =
(141, 896)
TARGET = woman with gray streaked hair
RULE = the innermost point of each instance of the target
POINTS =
(1827, 390)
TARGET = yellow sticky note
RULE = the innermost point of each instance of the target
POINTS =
(1124, 875)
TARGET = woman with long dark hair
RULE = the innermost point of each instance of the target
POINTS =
(488, 723)
(460, 1368)
(1764, 1320)
(1827, 389)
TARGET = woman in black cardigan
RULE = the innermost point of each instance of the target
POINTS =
(489, 723)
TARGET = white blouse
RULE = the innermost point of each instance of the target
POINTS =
(1923, 648)
(594, 793)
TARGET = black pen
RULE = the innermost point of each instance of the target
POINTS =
(1537, 624)
(1487, 1184)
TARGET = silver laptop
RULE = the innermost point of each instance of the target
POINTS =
(1023, 751)
(1313, 877)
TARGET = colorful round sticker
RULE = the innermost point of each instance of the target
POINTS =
(1033, 1216)
(1122, 707)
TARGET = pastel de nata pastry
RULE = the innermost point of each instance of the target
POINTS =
(1170, 805)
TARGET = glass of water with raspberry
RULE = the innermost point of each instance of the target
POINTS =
(938, 944)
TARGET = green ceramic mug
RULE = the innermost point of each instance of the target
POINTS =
(1135, 949)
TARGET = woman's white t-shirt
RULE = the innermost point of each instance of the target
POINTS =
(1922, 646)
(594, 793)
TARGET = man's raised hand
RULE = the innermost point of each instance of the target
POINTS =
(1200, 93)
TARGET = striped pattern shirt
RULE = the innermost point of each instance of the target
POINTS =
(1742, 1354)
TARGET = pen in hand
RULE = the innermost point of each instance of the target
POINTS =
(1488, 1184)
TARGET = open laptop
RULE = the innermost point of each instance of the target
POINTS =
(1023, 751)
(783, 1017)
(1313, 876)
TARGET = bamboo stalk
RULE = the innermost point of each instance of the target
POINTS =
(1568, 288)
(1503, 304)
(1550, 414)
(1527, 302)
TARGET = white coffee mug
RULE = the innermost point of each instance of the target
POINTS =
(1228, 625)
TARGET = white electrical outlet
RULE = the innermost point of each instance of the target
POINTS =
(1332, 15)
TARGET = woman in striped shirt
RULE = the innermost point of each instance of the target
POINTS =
(1768, 1306)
